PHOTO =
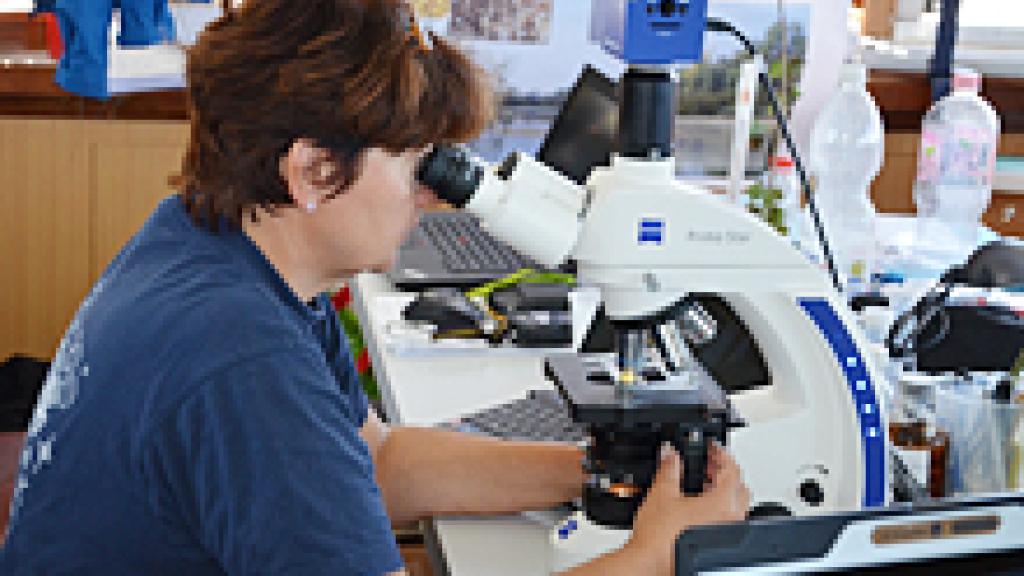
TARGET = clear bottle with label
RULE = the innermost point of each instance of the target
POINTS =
(955, 168)
(923, 448)
(846, 152)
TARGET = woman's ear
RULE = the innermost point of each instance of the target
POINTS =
(293, 167)
(307, 172)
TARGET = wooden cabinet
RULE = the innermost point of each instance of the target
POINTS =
(129, 164)
(414, 551)
(892, 190)
(72, 192)
(21, 31)
(417, 561)
(1006, 214)
(44, 232)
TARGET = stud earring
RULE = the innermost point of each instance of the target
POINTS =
(311, 206)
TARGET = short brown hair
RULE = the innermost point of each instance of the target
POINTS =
(345, 74)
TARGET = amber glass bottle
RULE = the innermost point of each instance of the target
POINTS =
(922, 447)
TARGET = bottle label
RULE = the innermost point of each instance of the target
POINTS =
(928, 159)
(918, 463)
(858, 271)
(969, 157)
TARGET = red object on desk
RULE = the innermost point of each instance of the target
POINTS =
(363, 361)
(54, 42)
(342, 298)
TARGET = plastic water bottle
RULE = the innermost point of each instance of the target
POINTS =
(955, 167)
(845, 156)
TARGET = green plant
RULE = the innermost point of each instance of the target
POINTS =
(763, 202)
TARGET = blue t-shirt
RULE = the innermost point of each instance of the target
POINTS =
(198, 419)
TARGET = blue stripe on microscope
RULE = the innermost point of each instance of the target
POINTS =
(863, 391)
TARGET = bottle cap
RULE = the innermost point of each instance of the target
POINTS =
(966, 79)
(889, 277)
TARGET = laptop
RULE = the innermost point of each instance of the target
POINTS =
(983, 535)
(452, 249)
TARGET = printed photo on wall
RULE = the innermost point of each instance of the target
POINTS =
(518, 21)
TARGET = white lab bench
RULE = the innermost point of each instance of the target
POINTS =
(422, 390)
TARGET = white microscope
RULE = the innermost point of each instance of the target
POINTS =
(723, 330)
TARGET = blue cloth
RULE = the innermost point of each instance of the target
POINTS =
(84, 26)
(198, 419)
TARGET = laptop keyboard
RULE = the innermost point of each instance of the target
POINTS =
(540, 417)
(465, 247)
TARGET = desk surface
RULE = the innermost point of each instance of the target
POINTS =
(418, 390)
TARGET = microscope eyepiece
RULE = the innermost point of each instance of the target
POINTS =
(451, 173)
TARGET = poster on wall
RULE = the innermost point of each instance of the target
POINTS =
(514, 21)
(432, 15)
(431, 8)
(530, 46)
(510, 37)
(535, 50)
(520, 21)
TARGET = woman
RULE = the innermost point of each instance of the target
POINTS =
(203, 415)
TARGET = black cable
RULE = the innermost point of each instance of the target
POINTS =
(718, 25)
(940, 71)
(902, 339)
